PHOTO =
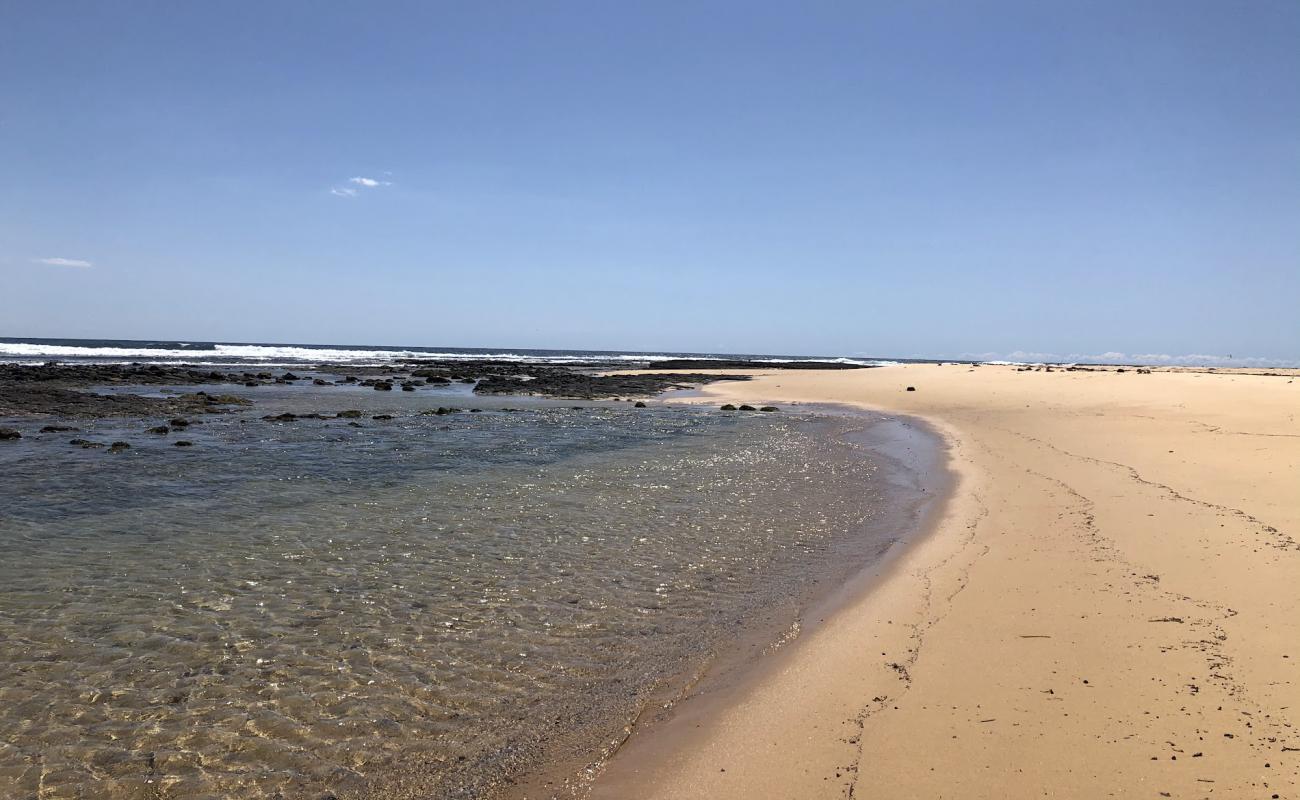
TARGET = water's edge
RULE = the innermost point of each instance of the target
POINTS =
(917, 459)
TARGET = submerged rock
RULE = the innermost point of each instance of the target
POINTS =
(117, 447)
(769, 408)
(439, 411)
(9, 433)
(351, 413)
(717, 363)
(222, 399)
(182, 443)
(160, 430)
(59, 429)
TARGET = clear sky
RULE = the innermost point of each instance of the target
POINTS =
(888, 178)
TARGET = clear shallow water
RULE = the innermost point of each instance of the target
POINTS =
(424, 607)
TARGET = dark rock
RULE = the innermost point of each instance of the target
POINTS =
(748, 408)
(382, 416)
(439, 411)
(81, 375)
(638, 404)
(769, 408)
(9, 433)
(408, 386)
(356, 424)
(563, 382)
(383, 386)
(117, 447)
(289, 376)
(160, 430)
(727, 407)
(222, 399)
(59, 429)
(706, 363)
(250, 384)
(351, 413)
(182, 443)
(911, 388)
(179, 422)
(285, 417)
(57, 397)
(321, 382)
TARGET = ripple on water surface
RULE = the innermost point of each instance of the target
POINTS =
(425, 606)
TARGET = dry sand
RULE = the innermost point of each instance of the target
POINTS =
(1109, 607)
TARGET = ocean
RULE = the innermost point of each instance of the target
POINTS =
(111, 351)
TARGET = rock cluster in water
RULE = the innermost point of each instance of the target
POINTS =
(61, 389)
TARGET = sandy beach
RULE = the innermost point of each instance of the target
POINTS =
(1109, 606)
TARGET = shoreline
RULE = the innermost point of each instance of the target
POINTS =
(1047, 637)
(742, 661)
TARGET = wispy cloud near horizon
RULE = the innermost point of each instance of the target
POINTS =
(65, 262)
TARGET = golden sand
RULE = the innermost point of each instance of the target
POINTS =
(1109, 606)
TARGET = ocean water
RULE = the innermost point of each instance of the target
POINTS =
(427, 606)
(17, 350)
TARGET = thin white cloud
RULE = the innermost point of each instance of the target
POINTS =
(344, 190)
(65, 262)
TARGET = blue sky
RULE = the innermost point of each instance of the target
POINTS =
(859, 178)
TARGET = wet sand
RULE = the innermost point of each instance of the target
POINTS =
(1108, 606)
